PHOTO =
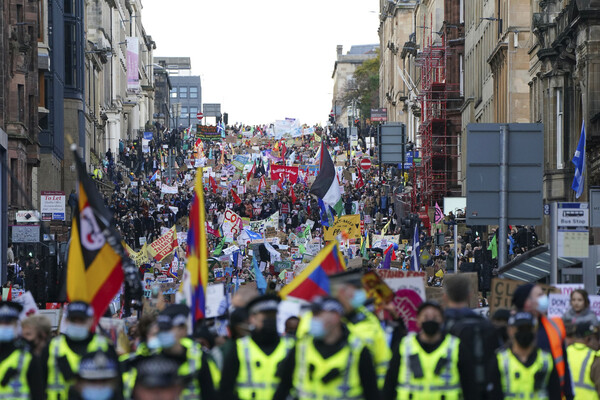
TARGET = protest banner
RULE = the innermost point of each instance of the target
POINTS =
(208, 133)
(169, 189)
(240, 161)
(282, 171)
(348, 224)
(383, 242)
(164, 245)
(568, 288)
(216, 304)
(261, 226)
(502, 291)
(409, 289)
(232, 224)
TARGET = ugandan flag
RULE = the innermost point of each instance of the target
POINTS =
(95, 260)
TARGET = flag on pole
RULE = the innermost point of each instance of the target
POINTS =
(326, 185)
(96, 257)
(155, 176)
(261, 283)
(385, 228)
(416, 250)
(387, 262)
(197, 253)
(174, 267)
(262, 183)
(293, 195)
(579, 162)
(360, 181)
(389, 250)
(213, 184)
(439, 215)
(236, 198)
(313, 280)
(252, 172)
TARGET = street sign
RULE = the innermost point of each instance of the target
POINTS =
(365, 163)
(573, 215)
(595, 208)
(27, 216)
(392, 143)
(379, 114)
(525, 169)
(199, 116)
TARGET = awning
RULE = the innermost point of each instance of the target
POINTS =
(534, 265)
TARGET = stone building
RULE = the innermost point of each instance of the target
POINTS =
(343, 73)
(19, 101)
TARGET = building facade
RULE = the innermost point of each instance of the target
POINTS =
(343, 80)
(185, 93)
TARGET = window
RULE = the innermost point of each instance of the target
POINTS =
(559, 129)
(193, 111)
(183, 92)
(21, 102)
(184, 112)
(14, 184)
(193, 92)
(174, 93)
(69, 7)
(462, 75)
(70, 54)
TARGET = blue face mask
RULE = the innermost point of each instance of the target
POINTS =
(359, 298)
(542, 303)
(167, 339)
(76, 332)
(317, 329)
(7, 333)
(153, 343)
(91, 392)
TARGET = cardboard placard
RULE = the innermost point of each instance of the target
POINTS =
(502, 292)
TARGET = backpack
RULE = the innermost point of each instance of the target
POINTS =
(477, 334)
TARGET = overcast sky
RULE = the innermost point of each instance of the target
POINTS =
(264, 59)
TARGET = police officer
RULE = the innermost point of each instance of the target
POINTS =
(426, 365)
(17, 373)
(250, 369)
(158, 378)
(64, 352)
(347, 288)
(174, 344)
(523, 371)
(585, 362)
(330, 362)
(97, 379)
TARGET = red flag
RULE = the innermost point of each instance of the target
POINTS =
(262, 183)
(213, 184)
(280, 184)
(9, 297)
(360, 182)
(236, 198)
(252, 171)
(283, 149)
(391, 248)
(292, 194)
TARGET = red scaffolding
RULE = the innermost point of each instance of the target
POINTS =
(437, 145)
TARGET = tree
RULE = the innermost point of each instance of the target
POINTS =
(363, 89)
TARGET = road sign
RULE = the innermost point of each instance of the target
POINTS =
(392, 143)
(379, 114)
(365, 163)
(573, 215)
(199, 115)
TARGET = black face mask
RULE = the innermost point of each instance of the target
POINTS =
(431, 327)
(268, 332)
(524, 338)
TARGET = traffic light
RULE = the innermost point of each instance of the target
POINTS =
(357, 122)
(225, 118)
(332, 117)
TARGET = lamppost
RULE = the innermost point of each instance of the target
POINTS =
(176, 112)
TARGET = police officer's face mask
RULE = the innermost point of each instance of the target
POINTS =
(524, 337)
(8, 333)
(431, 327)
(97, 392)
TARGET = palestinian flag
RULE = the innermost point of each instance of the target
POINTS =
(326, 185)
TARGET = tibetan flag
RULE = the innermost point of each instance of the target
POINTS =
(439, 215)
(313, 281)
(262, 183)
(95, 264)
(236, 198)
(213, 184)
(197, 253)
(326, 185)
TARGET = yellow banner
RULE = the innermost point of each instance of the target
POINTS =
(347, 224)
(164, 245)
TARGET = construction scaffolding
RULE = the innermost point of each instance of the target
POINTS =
(437, 145)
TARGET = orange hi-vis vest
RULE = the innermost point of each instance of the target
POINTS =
(555, 329)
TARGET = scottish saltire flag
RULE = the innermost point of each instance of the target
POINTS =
(253, 235)
(414, 265)
(324, 213)
(579, 162)
(197, 253)
(221, 129)
(313, 281)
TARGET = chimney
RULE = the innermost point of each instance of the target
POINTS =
(339, 50)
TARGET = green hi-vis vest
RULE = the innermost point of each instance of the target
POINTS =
(332, 378)
(580, 358)
(429, 376)
(16, 364)
(521, 382)
(58, 384)
(256, 377)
